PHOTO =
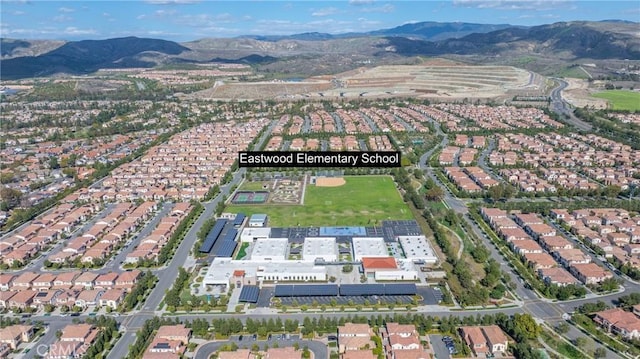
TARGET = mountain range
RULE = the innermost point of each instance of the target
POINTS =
(311, 53)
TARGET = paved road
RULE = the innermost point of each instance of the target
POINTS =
(560, 106)
(113, 265)
(169, 274)
(319, 349)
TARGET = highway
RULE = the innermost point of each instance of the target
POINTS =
(561, 107)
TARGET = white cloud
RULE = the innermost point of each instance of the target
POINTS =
(62, 18)
(360, 2)
(163, 13)
(66, 9)
(540, 5)
(18, 13)
(325, 11)
(172, 2)
(385, 9)
(72, 30)
(141, 16)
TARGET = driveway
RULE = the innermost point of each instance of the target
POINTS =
(439, 349)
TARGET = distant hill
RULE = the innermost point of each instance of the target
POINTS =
(318, 53)
(436, 31)
(87, 56)
(10, 48)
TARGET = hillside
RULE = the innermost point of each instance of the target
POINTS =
(316, 53)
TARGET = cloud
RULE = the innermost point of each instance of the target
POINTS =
(141, 16)
(62, 18)
(385, 9)
(72, 30)
(163, 13)
(172, 2)
(18, 13)
(360, 2)
(540, 5)
(66, 9)
(325, 11)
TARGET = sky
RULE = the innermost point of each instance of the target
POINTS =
(188, 20)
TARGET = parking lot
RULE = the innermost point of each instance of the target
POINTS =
(430, 295)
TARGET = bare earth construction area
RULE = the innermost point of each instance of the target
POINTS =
(435, 79)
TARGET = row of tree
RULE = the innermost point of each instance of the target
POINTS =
(138, 293)
(108, 329)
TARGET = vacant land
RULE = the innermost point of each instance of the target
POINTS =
(621, 100)
(362, 200)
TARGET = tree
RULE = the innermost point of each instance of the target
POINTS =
(580, 342)
(562, 328)
(53, 163)
(435, 194)
(525, 325)
(10, 198)
(600, 353)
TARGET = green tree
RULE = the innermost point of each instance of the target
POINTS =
(435, 194)
(600, 353)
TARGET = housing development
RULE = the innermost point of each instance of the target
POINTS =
(393, 205)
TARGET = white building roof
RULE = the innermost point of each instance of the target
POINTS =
(417, 247)
(320, 247)
(249, 233)
(369, 247)
(270, 248)
(221, 269)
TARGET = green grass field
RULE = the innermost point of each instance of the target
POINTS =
(253, 186)
(362, 201)
(621, 100)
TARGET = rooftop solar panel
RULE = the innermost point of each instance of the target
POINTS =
(400, 289)
(230, 235)
(362, 289)
(249, 293)
(239, 219)
(284, 290)
(212, 236)
(226, 249)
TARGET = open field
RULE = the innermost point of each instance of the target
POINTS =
(363, 200)
(621, 100)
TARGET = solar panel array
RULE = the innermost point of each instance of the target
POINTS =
(239, 219)
(213, 235)
(317, 290)
(230, 235)
(362, 289)
(249, 294)
(306, 290)
(226, 249)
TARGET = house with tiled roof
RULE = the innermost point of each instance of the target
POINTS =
(620, 322)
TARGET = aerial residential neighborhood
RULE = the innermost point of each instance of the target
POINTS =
(461, 187)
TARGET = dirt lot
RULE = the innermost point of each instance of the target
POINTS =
(444, 80)
(578, 94)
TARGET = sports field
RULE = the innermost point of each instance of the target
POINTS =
(361, 201)
(621, 100)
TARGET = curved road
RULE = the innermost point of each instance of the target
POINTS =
(561, 107)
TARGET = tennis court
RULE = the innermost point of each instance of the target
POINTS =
(250, 197)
